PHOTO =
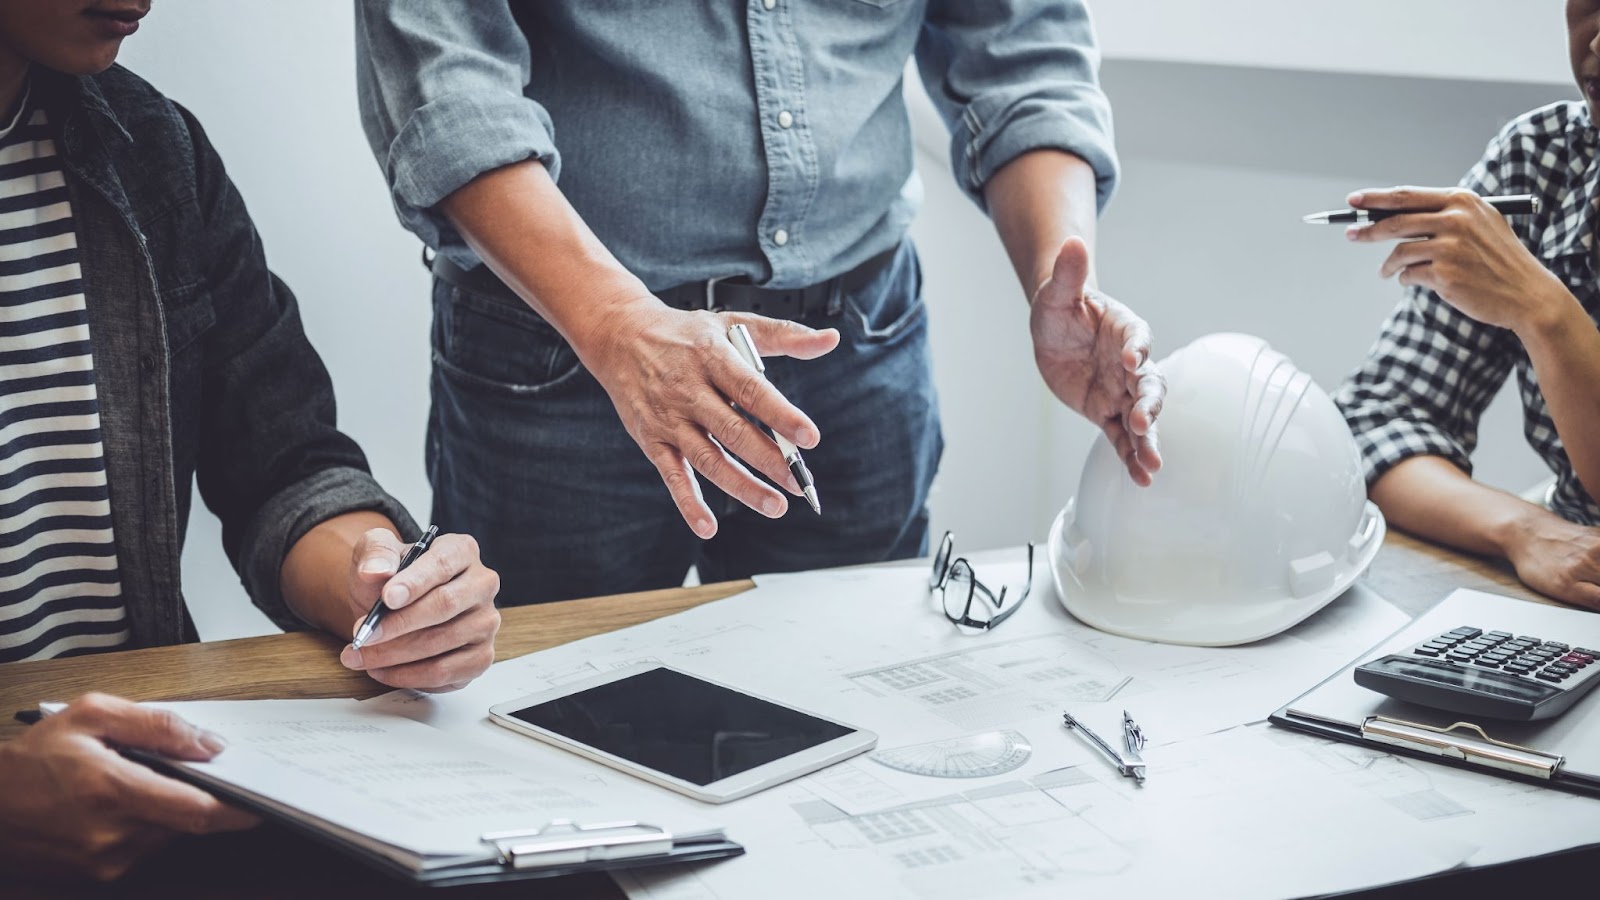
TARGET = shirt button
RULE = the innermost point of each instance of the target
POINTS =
(785, 119)
(768, 4)
(780, 237)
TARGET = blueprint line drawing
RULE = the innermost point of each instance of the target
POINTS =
(997, 683)
(1013, 836)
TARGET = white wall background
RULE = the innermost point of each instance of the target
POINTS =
(1234, 118)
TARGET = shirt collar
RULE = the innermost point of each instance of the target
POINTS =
(1571, 227)
(71, 100)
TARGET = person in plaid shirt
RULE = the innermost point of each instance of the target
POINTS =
(1487, 296)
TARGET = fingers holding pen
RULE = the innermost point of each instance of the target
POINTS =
(442, 605)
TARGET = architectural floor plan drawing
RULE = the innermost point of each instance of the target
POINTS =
(997, 682)
(1209, 823)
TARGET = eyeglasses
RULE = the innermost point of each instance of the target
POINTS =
(966, 601)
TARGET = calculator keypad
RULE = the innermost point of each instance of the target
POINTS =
(1524, 655)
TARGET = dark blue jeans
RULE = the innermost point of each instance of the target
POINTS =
(527, 454)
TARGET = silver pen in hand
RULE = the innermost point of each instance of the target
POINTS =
(370, 623)
(740, 336)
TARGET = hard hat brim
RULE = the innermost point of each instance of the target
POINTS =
(1197, 620)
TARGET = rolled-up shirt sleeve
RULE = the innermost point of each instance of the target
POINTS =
(1011, 76)
(1425, 385)
(441, 93)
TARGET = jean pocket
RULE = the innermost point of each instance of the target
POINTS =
(891, 305)
(886, 320)
(497, 346)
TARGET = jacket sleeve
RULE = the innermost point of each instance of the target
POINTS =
(272, 463)
(1011, 76)
(441, 93)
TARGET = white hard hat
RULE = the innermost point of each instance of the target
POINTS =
(1258, 518)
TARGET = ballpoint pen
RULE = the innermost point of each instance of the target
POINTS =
(370, 623)
(740, 336)
(1131, 769)
(1132, 743)
(1515, 205)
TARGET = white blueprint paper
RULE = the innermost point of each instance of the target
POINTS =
(1211, 822)
(1228, 811)
(868, 647)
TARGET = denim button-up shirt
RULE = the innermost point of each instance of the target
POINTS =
(709, 138)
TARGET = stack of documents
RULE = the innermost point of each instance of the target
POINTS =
(428, 806)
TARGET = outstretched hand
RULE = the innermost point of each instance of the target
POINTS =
(1094, 353)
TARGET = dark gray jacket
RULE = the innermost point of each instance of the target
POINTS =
(201, 364)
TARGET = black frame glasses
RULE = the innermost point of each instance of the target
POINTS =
(948, 571)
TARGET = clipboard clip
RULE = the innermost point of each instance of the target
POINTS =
(1464, 741)
(563, 842)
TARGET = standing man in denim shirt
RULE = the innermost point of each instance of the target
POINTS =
(607, 186)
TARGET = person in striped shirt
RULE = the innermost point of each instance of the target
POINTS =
(144, 345)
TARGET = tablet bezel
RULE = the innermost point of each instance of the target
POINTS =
(857, 741)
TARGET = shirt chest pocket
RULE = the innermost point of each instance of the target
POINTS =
(189, 315)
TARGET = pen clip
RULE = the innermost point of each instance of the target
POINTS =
(417, 549)
(742, 342)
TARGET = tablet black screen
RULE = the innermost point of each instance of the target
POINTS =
(677, 724)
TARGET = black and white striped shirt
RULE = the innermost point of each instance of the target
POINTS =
(60, 592)
(1434, 369)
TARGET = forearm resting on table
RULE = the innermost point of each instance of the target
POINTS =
(1432, 498)
(316, 574)
(1037, 201)
(517, 220)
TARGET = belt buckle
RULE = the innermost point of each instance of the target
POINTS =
(711, 293)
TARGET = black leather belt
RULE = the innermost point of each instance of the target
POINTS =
(717, 294)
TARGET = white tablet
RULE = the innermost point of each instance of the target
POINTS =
(707, 740)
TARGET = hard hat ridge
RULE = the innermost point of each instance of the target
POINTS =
(1258, 518)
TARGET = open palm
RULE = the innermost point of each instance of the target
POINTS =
(1094, 353)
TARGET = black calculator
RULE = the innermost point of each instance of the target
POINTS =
(1489, 674)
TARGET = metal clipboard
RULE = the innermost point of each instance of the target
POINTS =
(1558, 753)
(559, 847)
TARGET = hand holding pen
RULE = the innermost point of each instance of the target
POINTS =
(740, 336)
(1460, 246)
(430, 617)
(674, 378)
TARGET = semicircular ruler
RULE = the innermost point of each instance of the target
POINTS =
(970, 756)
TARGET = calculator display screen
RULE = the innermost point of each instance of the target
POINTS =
(1479, 681)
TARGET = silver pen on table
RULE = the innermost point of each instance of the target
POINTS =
(1130, 769)
(740, 336)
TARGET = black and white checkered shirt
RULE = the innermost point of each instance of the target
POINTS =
(1433, 370)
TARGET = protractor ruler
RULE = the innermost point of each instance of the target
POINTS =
(971, 756)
